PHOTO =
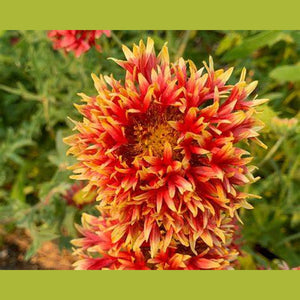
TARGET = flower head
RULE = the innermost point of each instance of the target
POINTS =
(161, 148)
(97, 250)
(77, 41)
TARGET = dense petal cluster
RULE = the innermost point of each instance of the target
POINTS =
(77, 41)
(161, 149)
(98, 238)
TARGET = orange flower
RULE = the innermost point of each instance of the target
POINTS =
(161, 150)
(97, 250)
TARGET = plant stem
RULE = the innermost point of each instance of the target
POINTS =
(183, 44)
(116, 39)
(272, 151)
(23, 94)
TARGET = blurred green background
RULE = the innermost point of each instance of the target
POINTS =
(38, 87)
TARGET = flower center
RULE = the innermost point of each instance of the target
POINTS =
(151, 140)
(148, 134)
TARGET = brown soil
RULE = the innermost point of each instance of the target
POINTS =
(48, 257)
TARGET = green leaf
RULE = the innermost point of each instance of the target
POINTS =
(39, 237)
(17, 192)
(230, 40)
(249, 45)
(286, 73)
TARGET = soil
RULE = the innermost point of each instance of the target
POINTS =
(13, 249)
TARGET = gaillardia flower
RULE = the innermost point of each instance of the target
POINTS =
(97, 250)
(78, 41)
(161, 149)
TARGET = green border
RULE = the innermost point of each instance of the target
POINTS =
(151, 14)
(150, 284)
(154, 14)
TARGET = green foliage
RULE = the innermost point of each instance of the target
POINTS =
(38, 87)
(286, 73)
(254, 42)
